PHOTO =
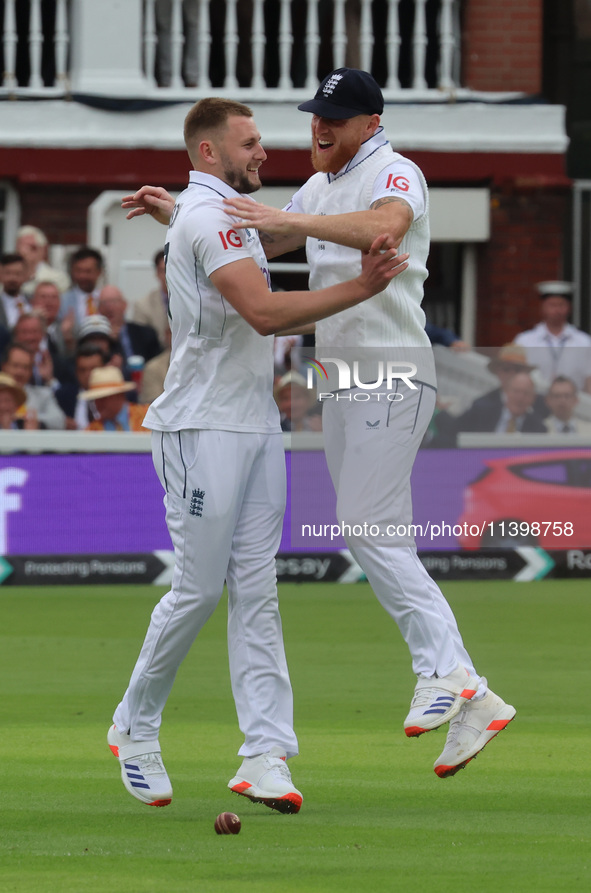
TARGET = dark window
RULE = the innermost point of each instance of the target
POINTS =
(564, 472)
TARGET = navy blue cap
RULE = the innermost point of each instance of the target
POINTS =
(345, 93)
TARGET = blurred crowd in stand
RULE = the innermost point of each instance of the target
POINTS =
(540, 376)
(76, 355)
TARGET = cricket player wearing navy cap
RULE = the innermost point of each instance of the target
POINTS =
(218, 451)
(363, 187)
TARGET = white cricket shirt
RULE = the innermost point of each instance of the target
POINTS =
(221, 370)
(392, 321)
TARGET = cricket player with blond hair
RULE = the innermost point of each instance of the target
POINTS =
(218, 452)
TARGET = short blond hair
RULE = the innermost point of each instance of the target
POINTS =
(210, 115)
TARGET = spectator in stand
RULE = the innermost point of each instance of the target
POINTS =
(59, 336)
(487, 410)
(516, 413)
(97, 328)
(154, 373)
(510, 359)
(32, 245)
(81, 300)
(562, 399)
(79, 412)
(46, 302)
(107, 390)
(555, 346)
(519, 413)
(13, 301)
(41, 408)
(12, 397)
(31, 333)
(152, 310)
(135, 339)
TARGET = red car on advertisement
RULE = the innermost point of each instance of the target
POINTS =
(539, 499)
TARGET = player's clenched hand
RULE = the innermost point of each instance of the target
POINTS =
(256, 216)
(381, 264)
(153, 200)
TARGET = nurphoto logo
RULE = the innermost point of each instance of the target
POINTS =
(389, 373)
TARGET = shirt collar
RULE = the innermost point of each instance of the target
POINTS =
(87, 294)
(506, 415)
(199, 178)
(566, 332)
(365, 150)
(121, 422)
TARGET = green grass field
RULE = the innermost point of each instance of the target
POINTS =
(375, 816)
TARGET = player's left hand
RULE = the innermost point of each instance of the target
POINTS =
(256, 216)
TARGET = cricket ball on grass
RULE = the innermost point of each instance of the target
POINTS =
(227, 823)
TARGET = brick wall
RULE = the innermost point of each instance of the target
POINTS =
(60, 211)
(502, 45)
(526, 246)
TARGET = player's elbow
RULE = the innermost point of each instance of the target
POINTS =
(261, 321)
(394, 220)
(395, 236)
(264, 325)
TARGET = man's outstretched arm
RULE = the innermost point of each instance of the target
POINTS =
(243, 285)
(357, 229)
(157, 202)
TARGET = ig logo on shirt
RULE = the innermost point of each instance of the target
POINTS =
(398, 182)
(230, 239)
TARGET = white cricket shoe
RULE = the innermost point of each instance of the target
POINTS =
(437, 700)
(266, 779)
(476, 724)
(142, 769)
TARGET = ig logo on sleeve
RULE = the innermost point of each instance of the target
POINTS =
(397, 182)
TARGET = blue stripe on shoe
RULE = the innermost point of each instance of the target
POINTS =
(137, 784)
(440, 705)
(135, 775)
(131, 766)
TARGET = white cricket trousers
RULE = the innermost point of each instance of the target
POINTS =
(225, 500)
(370, 449)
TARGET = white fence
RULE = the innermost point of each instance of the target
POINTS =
(239, 46)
